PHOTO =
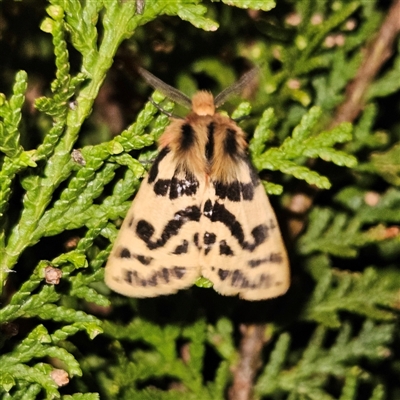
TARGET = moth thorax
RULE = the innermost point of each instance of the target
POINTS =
(203, 103)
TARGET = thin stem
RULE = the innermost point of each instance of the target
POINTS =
(251, 345)
(376, 55)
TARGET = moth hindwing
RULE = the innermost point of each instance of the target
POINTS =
(201, 210)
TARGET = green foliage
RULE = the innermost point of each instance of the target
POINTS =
(162, 360)
(337, 235)
(386, 164)
(302, 143)
(342, 291)
(309, 371)
(62, 198)
(254, 5)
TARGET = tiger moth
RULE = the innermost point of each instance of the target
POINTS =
(200, 211)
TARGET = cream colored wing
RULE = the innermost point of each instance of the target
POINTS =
(157, 250)
(242, 248)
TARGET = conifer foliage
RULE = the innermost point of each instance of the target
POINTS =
(77, 135)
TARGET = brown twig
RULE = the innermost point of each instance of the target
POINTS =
(375, 55)
(252, 342)
(380, 49)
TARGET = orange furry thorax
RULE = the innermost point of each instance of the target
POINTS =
(223, 165)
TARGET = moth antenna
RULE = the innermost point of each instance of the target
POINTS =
(167, 90)
(236, 88)
(167, 113)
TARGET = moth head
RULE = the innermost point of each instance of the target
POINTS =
(203, 103)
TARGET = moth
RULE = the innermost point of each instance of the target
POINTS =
(200, 211)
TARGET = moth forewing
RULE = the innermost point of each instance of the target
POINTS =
(247, 256)
(242, 248)
(201, 210)
(155, 252)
